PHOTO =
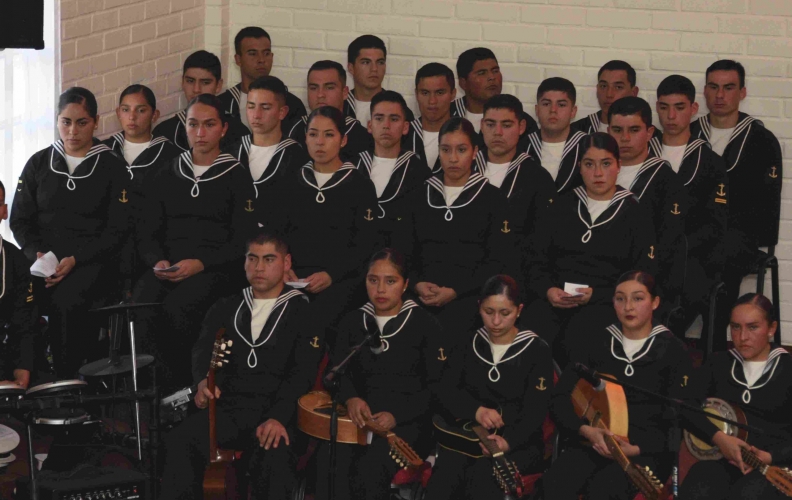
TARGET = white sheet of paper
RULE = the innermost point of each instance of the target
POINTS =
(45, 266)
(167, 269)
(571, 288)
(297, 284)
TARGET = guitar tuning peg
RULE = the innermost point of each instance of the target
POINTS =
(230, 343)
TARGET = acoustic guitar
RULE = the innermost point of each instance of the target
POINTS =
(220, 482)
(779, 477)
(465, 437)
(313, 418)
(607, 409)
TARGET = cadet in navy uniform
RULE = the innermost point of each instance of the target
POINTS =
(254, 56)
(271, 363)
(192, 230)
(366, 62)
(457, 234)
(752, 156)
(754, 377)
(394, 384)
(615, 79)
(394, 171)
(327, 87)
(639, 351)
(434, 91)
(201, 74)
(701, 173)
(267, 153)
(502, 379)
(73, 200)
(556, 146)
(575, 256)
(329, 214)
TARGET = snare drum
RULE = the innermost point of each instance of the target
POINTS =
(10, 391)
(56, 388)
(63, 415)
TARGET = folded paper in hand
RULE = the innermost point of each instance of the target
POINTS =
(571, 288)
(45, 266)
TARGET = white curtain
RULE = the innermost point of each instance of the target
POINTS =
(28, 86)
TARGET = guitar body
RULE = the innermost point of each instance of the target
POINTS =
(702, 450)
(220, 481)
(458, 437)
(313, 418)
(609, 406)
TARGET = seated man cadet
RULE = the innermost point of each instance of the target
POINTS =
(267, 154)
(556, 146)
(701, 172)
(394, 171)
(434, 92)
(752, 156)
(366, 62)
(201, 74)
(271, 363)
(616, 79)
(480, 77)
(254, 57)
(327, 87)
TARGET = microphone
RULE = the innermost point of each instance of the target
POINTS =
(377, 346)
(590, 376)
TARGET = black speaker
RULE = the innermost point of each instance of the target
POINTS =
(22, 24)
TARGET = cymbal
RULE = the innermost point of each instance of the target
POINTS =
(106, 367)
(125, 306)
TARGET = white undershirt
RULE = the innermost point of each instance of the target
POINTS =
(496, 172)
(381, 170)
(631, 347)
(321, 179)
(719, 139)
(452, 193)
(132, 150)
(261, 311)
(72, 162)
(603, 127)
(551, 156)
(596, 207)
(627, 175)
(381, 320)
(243, 109)
(199, 170)
(673, 155)
(363, 112)
(475, 119)
(431, 147)
(753, 370)
(498, 350)
(259, 159)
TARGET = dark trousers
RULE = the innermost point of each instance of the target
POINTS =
(603, 479)
(719, 480)
(187, 455)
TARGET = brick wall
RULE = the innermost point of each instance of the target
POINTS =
(107, 45)
(536, 39)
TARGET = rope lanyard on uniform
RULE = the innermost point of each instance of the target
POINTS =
(195, 191)
(618, 197)
(616, 333)
(384, 338)
(252, 359)
(494, 374)
(70, 184)
(320, 197)
(772, 358)
(438, 184)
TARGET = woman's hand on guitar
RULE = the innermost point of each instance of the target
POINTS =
(386, 420)
(731, 448)
(270, 433)
(503, 445)
(630, 450)
(203, 395)
(762, 455)
(359, 411)
(596, 437)
(489, 418)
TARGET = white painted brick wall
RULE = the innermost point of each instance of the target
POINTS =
(107, 45)
(536, 39)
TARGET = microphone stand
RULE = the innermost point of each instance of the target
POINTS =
(330, 382)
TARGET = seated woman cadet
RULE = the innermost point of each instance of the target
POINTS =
(502, 379)
(393, 386)
(643, 353)
(755, 376)
(192, 230)
(328, 214)
(586, 240)
(457, 233)
(73, 200)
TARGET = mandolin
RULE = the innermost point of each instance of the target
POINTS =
(220, 482)
(607, 409)
(313, 418)
(465, 436)
(779, 477)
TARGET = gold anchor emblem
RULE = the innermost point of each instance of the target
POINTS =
(684, 380)
(442, 355)
(249, 207)
(676, 211)
(123, 198)
(505, 228)
(721, 192)
(773, 174)
(368, 215)
(651, 252)
(541, 386)
(315, 343)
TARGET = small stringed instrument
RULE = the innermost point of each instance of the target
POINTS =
(779, 477)
(607, 409)
(313, 418)
(465, 437)
(220, 482)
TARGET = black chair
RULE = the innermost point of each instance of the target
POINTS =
(767, 261)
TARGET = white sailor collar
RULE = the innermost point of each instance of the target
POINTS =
(459, 106)
(646, 174)
(435, 193)
(396, 180)
(154, 144)
(482, 347)
(223, 164)
(617, 346)
(607, 215)
(243, 155)
(743, 128)
(393, 326)
(337, 178)
(693, 146)
(181, 118)
(566, 170)
(59, 166)
(594, 119)
(510, 179)
(767, 374)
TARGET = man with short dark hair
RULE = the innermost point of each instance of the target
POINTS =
(254, 56)
(435, 90)
(615, 79)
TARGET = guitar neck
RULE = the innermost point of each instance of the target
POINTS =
(753, 461)
(210, 384)
(377, 429)
(489, 444)
(617, 453)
